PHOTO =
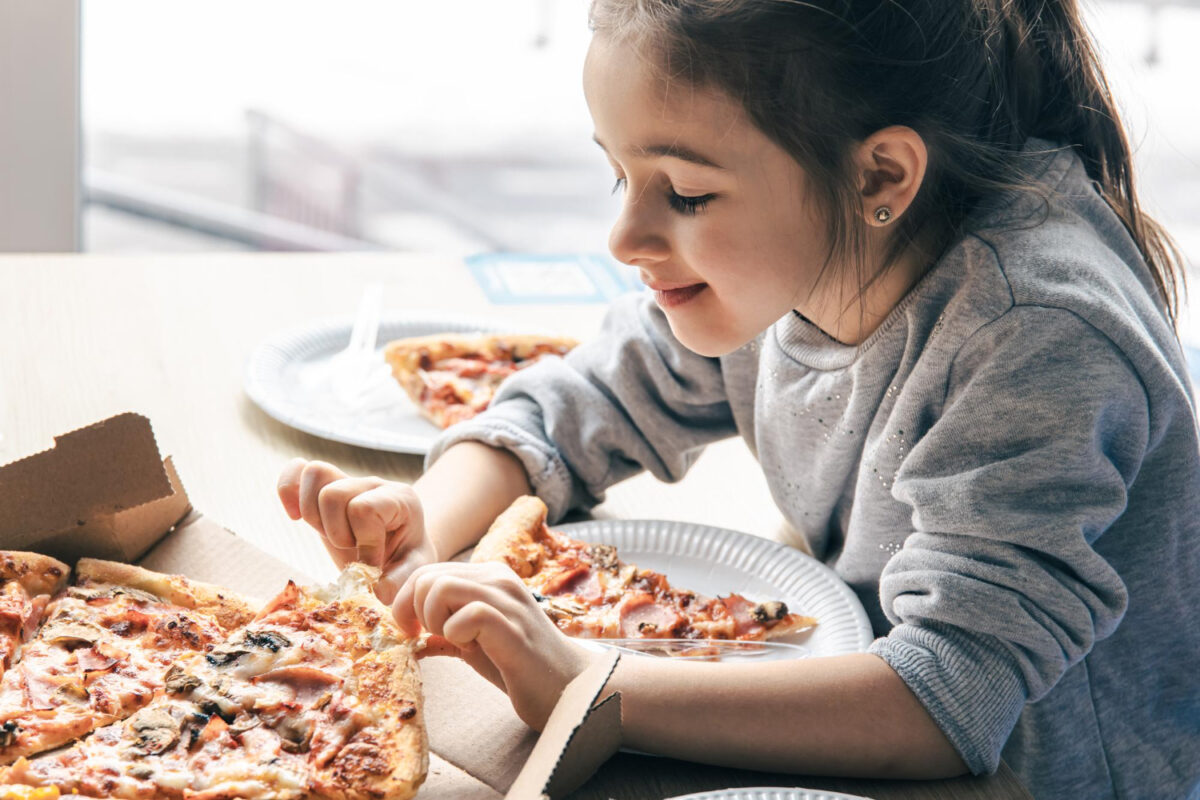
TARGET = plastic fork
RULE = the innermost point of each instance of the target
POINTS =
(357, 373)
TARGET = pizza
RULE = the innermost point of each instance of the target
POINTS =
(589, 592)
(316, 696)
(452, 377)
(102, 650)
(27, 581)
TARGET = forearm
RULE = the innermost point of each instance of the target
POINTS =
(846, 715)
(464, 491)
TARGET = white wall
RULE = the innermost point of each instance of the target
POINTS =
(39, 125)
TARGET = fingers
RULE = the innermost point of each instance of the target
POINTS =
(314, 476)
(288, 487)
(435, 592)
(333, 510)
(359, 519)
(373, 514)
(397, 570)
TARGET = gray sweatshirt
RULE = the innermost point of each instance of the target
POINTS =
(1007, 472)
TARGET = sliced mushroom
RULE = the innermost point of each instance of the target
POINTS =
(156, 730)
(8, 733)
(561, 607)
(67, 630)
(72, 690)
(295, 734)
(244, 723)
(219, 658)
(271, 640)
(603, 556)
(136, 594)
(179, 682)
(769, 612)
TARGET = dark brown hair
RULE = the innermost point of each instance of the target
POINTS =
(975, 78)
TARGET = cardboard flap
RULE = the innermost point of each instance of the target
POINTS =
(101, 491)
(472, 724)
(448, 782)
(580, 735)
(206, 551)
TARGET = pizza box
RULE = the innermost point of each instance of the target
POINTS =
(104, 491)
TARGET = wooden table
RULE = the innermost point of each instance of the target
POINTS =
(85, 337)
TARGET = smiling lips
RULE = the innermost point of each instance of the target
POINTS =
(670, 296)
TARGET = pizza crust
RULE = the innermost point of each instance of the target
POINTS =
(516, 537)
(408, 352)
(38, 574)
(229, 609)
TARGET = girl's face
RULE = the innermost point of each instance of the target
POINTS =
(714, 213)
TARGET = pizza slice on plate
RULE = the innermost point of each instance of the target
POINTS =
(103, 651)
(589, 592)
(452, 377)
(318, 697)
(27, 582)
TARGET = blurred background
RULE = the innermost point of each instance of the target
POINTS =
(450, 127)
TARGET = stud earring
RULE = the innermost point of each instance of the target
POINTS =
(883, 215)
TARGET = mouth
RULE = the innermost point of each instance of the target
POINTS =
(671, 295)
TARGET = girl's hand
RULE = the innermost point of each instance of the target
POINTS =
(492, 622)
(371, 520)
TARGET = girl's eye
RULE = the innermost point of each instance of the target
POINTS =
(619, 185)
(685, 204)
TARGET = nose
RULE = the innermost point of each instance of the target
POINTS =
(637, 237)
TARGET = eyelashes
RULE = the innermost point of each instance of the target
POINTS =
(683, 204)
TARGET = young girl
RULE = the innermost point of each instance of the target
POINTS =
(896, 248)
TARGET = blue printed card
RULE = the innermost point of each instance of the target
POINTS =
(526, 278)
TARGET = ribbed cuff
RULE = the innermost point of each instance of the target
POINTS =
(967, 683)
(548, 473)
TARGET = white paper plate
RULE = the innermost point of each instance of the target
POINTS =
(290, 378)
(717, 561)
(768, 793)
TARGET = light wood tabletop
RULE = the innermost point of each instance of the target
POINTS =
(83, 337)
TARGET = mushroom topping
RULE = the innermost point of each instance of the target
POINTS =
(134, 594)
(769, 612)
(8, 733)
(179, 682)
(219, 658)
(156, 730)
(69, 631)
(271, 640)
(603, 556)
(561, 607)
(295, 734)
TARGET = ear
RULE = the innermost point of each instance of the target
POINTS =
(891, 164)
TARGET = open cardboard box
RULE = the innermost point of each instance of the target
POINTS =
(104, 491)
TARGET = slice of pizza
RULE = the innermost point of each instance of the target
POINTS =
(590, 593)
(452, 377)
(103, 651)
(27, 582)
(318, 697)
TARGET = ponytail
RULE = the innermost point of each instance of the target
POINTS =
(1055, 89)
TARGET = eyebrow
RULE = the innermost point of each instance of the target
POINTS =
(668, 151)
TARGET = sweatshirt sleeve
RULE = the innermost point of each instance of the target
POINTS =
(999, 589)
(633, 398)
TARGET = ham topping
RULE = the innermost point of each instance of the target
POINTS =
(640, 615)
